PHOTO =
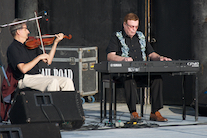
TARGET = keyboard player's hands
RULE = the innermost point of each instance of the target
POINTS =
(165, 58)
(128, 59)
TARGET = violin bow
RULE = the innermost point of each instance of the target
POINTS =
(26, 20)
(39, 31)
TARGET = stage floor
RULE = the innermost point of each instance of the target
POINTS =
(175, 127)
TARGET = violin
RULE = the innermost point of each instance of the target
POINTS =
(34, 42)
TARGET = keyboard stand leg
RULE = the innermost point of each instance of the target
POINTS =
(110, 99)
(141, 101)
(114, 99)
(104, 97)
(101, 102)
(196, 97)
(183, 97)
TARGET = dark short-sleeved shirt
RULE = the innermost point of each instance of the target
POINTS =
(133, 43)
(18, 53)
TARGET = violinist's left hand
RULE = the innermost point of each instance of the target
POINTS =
(59, 37)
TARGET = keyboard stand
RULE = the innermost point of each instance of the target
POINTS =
(112, 97)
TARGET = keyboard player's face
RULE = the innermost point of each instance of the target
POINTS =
(130, 27)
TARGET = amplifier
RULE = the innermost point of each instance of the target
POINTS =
(64, 108)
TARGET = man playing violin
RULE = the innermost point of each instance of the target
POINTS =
(24, 63)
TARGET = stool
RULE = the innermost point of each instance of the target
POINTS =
(106, 85)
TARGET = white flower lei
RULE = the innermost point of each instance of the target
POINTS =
(125, 48)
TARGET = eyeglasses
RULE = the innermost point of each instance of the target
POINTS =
(24, 28)
(131, 26)
(19, 28)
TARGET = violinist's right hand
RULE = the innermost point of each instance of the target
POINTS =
(25, 67)
(44, 57)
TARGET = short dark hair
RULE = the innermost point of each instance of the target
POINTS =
(131, 16)
(13, 28)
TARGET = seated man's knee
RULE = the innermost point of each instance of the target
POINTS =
(54, 85)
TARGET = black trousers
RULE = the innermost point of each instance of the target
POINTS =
(130, 86)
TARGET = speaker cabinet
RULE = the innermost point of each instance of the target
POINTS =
(64, 108)
(35, 130)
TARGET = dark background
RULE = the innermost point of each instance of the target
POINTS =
(91, 23)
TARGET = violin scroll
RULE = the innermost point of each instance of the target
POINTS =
(68, 37)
